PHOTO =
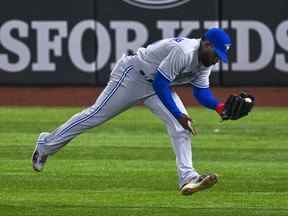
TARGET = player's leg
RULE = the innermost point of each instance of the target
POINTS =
(109, 103)
(181, 142)
(180, 138)
(121, 92)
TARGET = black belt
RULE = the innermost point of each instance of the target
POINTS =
(131, 53)
(143, 74)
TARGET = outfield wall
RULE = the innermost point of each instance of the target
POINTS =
(86, 96)
(77, 42)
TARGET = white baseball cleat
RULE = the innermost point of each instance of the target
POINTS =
(38, 159)
(201, 183)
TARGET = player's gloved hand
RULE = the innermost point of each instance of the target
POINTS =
(237, 106)
(186, 123)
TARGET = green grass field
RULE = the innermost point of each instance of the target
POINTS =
(127, 167)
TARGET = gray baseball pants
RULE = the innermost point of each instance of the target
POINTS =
(125, 88)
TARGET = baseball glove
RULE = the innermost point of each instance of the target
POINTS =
(237, 106)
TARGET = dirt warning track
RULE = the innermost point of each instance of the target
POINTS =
(85, 96)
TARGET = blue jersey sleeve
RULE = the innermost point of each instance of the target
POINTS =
(161, 86)
(205, 97)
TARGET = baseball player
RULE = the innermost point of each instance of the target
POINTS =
(148, 75)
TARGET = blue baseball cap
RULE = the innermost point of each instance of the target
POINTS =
(221, 42)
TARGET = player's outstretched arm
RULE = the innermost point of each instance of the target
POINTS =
(235, 107)
(205, 97)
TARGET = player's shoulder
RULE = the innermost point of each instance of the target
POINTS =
(186, 48)
(188, 45)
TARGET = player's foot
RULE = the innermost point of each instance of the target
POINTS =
(38, 158)
(201, 183)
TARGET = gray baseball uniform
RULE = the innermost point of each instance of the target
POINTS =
(131, 81)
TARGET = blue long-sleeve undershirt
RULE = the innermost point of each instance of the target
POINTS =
(205, 97)
(161, 86)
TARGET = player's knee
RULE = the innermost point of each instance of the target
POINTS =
(179, 133)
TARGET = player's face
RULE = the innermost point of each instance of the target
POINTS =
(207, 55)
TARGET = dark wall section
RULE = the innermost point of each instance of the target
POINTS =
(260, 51)
(78, 42)
(126, 27)
(42, 42)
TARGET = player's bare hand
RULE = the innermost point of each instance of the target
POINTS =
(186, 123)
